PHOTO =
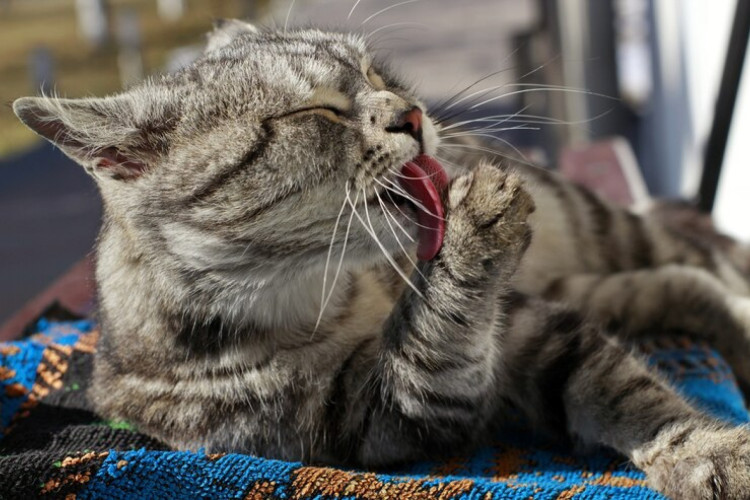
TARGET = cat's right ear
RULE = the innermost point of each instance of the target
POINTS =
(225, 31)
(99, 134)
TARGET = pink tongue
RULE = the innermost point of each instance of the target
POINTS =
(424, 179)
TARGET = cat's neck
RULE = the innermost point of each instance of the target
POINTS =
(290, 301)
(276, 302)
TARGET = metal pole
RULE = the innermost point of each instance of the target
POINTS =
(729, 86)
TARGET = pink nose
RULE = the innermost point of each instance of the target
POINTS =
(412, 120)
(409, 123)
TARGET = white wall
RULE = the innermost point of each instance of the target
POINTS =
(706, 27)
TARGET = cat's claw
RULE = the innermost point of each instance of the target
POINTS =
(711, 464)
(486, 224)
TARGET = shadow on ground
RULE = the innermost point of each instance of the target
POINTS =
(49, 217)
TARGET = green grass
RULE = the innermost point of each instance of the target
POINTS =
(79, 69)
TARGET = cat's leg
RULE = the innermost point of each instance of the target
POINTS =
(454, 352)
(562, 370)
(431, 390)
(670, 298)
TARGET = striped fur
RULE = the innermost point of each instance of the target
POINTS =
(233, 320)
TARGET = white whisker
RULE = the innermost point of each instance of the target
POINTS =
(399, 190)
(477, 82)
(387, 255)
(485, 118)
(385, 10)
(398, 208)
(398, 240)
(352, 11)
(385, 210)
(537, 88)
(469, 96)
(486, 132)
(403, 24)
(288, 13)
(522, 159)
(323, 301)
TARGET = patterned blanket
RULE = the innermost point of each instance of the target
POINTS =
(53, 446)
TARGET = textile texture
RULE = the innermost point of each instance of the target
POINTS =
(53, 446)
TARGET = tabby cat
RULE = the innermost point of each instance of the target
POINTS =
(262, 209)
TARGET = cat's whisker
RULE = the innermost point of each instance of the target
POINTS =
(522, 159)
(538, 88)
(446, 161)
(385, 210)
(496, 87)
(338, 268)
(486, 132)
(354, 7)
(482, 92)
(371, 231)
(386, 10)
(398, 25)
(545, 120)
(492, 124)
(486, 118)
(411, 177)
(445, 102)
(474, 108)
(398, 240)
(380, 47)
(439, 109)
(400, 191)
(288, 14)
(323, 302)
(475, 147)
(390, 190)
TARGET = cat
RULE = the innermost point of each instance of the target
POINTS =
(259, 292)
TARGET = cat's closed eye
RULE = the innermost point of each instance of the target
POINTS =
(375, 79)
(327, 102)
(330, 112)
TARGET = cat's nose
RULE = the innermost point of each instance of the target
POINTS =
(410, 122)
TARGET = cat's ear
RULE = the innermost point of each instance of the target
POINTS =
(226, 30)
(99, 134)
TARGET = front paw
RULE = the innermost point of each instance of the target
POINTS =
(486, 220)
(711, 464)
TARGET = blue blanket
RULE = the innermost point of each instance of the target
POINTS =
(52, 445)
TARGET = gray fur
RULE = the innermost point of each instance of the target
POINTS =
(232, 319)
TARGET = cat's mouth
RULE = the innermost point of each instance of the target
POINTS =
(423, 180)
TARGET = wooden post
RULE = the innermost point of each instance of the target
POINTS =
(42, 67)
(93, 21)
(129, 58)
(170, 10)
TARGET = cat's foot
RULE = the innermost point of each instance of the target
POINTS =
(486, 224)
(710, 464)
(736, 349)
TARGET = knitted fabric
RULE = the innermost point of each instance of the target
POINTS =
(53, 446)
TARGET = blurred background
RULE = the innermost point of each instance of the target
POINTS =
(562, 73)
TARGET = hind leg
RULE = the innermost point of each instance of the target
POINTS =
(669, 298)
(562, 371)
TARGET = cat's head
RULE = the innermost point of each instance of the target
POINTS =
(246, 157)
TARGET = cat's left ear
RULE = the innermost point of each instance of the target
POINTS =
(226, 30)
(102, 135)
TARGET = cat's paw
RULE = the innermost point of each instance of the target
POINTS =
(711, 464)
(486, 224)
